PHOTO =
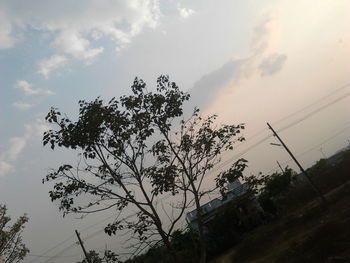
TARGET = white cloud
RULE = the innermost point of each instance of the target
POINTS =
(17, 145)
(28, 90)
(5, 167)
(76, 28)
(7, 40)
(186, 12)
(72, 43)
(25, 86)
(22, 106)
(46, 66)
(120, 21)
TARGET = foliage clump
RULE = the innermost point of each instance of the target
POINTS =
(12, 248)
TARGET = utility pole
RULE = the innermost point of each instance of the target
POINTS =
(280, 167)
(82, 246)
(317, 190)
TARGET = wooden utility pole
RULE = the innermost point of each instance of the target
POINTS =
(317, 190)
(280, 167)
(82, 246)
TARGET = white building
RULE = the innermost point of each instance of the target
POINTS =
(235, 189)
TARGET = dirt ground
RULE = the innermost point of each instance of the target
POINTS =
(310, 233)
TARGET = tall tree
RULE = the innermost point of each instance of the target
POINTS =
(132, 156)
(12, 248)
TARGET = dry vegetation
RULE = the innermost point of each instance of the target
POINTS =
(306, 231)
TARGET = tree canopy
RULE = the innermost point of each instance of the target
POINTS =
(132, 154)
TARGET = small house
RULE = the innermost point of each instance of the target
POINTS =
(248, 210)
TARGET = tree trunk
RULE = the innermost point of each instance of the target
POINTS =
(202, 247)
(167, 243)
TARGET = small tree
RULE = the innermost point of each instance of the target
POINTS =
(131, 157)
(321, 167)
(12, 248)
(107, 257)
(271, 188)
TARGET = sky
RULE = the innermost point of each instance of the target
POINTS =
(277, 61)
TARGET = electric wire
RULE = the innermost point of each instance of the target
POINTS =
(328, 138)
(299, 120)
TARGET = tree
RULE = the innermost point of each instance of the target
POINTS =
(12, 248)
(94, 257)
(131, 156)
(271, 188)
(278, 184)
(321, 167)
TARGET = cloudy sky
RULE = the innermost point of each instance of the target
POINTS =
(286, 62)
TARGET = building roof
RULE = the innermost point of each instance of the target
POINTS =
(236, 190)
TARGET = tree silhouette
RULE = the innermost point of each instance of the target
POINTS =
(132, 156)
(12, 248)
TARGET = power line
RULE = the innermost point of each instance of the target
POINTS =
(313, 103)
(315, 111)
(61, 252)
(72, 245)
(95, 233)
(329, 138)
(249, 148)
(41, 256)
(70, 237)
(53, 248)
(303, 109)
